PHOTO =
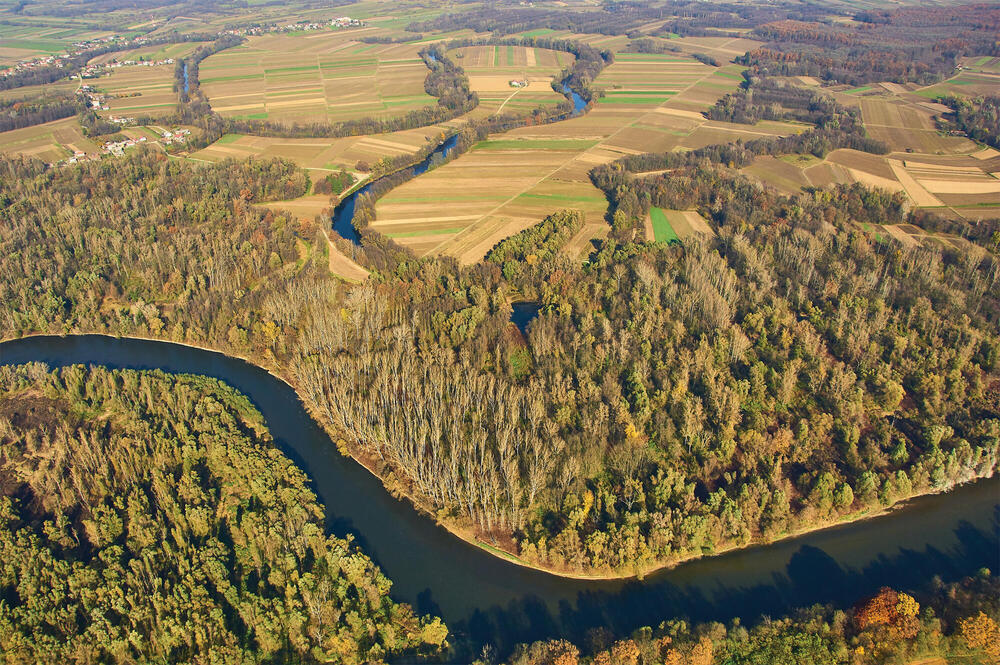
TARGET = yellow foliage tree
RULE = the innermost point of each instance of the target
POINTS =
(981, 632)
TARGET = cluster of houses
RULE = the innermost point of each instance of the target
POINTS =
(77, 49)
(95, 100)
(168, 137)
(339, 23)
(347, 22)
(97, 70)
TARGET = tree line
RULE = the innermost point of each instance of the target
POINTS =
(35, 110)
(910, 44)
(955, 621)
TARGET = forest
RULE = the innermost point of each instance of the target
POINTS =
(148, 517)
(955, 621)
(979, 118)
(27, 111)
(666, 403)
(908, 44)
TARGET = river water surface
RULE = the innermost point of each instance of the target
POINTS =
(488, 600)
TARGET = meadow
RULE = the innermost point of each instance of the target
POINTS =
(49, 142)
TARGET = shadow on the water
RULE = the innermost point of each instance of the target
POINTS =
(811, 577)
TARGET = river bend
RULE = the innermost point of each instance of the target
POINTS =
(486, 599)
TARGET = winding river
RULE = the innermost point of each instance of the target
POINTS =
(486, 599)
(343, 214)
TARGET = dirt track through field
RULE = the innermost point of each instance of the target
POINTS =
(341, 265)
(913, 189)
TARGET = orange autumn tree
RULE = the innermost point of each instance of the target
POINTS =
(623, 652)
(981, 632)
(886, 608)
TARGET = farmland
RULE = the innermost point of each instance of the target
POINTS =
(950, 174)
(324, 154)
(49, 142)
(25, 41)
(138, 90)
(315, 77)
(513, 180)
(150, 53)
(646, 102)
(492, 69)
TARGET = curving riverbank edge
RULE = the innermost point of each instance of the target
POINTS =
(467, 534)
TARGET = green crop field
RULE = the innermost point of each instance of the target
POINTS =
(662, 230)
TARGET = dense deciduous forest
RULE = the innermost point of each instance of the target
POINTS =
(25, 112)
(667, 402)
(131, 242)
(915, 44)
(146, 517)
(951, 621)
(978, 118)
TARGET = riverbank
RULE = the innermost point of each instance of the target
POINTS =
(396, 485)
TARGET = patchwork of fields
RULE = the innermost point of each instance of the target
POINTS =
(648, 102)
(315, 77)
(138, 90)
(950, 174)
(324, 154)
(514, 180)
(34, 39)
(491, 69)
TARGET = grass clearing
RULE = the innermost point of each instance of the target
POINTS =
(663, 231)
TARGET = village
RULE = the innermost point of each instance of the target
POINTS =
(125, 43)
(98, 70)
